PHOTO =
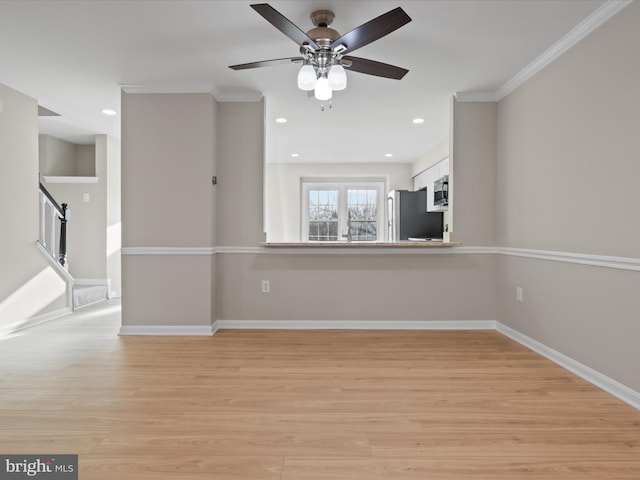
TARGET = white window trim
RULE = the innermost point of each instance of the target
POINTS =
(342, 184)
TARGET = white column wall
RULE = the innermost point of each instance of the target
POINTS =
(28, 285)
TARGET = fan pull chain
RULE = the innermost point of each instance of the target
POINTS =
(330, 106)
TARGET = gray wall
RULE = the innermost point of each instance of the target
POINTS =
(87, 228)
(239, 193)
(167, 165)
(567, 180)
(28, 285)
(473, 173)
(168, 159)
(335, 287)
(56, 157)
(356, 287)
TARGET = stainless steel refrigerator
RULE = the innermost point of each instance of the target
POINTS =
(408, 217)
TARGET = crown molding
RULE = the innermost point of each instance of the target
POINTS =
(584, 28)
(221, 95)
(476, 96)
(132, 88)
(237, 96)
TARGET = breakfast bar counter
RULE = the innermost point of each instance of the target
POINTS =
(363, 245)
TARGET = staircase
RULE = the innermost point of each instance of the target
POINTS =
(53, 243)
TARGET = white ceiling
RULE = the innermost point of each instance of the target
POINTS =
(74, 56)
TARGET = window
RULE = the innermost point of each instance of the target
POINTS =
(342, 210)
(362, 214)
(323, 215)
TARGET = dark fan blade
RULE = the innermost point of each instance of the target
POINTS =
(283, 24)
(373, 30)
(371, 67)
(266, 63)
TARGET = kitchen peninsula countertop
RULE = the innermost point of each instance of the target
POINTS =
(402, 244)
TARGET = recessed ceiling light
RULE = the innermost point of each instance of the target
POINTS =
(281, 120)
(418, 120)
(388, 155)
(108, 111)
(295, 155)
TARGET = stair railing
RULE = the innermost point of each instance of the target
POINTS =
(53, 220)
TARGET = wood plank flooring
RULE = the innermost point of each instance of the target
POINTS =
(297, 405)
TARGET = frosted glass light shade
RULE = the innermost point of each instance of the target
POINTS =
(307, 78)
(323, 90)
(337, 78)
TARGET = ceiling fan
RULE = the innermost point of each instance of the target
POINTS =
(324, 52)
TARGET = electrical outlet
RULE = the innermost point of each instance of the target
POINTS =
(266, 286)
(519, 296)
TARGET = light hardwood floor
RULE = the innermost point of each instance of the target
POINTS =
(296, 405)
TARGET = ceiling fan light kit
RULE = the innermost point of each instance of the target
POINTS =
(323, 89)
(307, 77)
(337, 78)
(324, 51)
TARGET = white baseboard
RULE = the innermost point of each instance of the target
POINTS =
(598, 379)
(357, 324)
(209, 330)
(36, 320)
(81, 307)
(162, 330)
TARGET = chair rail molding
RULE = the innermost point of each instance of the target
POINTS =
(621, 263)
(608, 261)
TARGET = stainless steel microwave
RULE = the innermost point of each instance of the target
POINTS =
(441, 191)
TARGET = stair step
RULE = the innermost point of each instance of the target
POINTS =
(84, 295)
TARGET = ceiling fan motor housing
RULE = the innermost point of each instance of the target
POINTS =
(322, 34)
(322, 18)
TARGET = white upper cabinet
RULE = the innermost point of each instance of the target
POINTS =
(427, 178)
(420, 181)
